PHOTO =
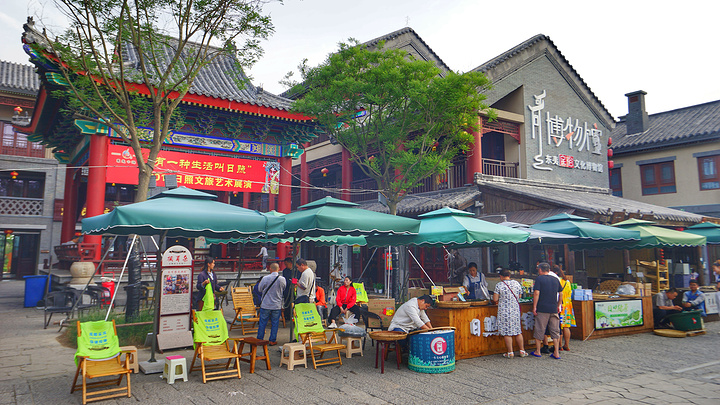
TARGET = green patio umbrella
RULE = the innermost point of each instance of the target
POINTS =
(183, 212)
(454, 228)
(328, 240)
(590, 235)
(707, 229)
(652, 236)
(330, 216)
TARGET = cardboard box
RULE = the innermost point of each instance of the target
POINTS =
(384, 307)
(417, 292)
(449, 293)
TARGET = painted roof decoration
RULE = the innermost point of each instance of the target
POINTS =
(697, 123)
(18, 78)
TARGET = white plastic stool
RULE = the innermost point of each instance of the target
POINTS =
(290, 359)
(350, 348)
(175, 367)
(131, 354)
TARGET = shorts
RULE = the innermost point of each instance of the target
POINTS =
(544, 320)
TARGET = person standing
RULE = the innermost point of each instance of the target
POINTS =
(306, 284)
(507, 296)
(475, 283)
(289, 287)
(547, 303)
(207, 276)
(567, 315)
(264, 254)
(271, 288)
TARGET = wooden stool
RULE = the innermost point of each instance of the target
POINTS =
(385, 342)
(252, 354)
(353, 345)
(171, 372)
(131, 354)
(290, 359)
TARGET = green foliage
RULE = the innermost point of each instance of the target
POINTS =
(398, 117)
(133, 335)
(128, 63)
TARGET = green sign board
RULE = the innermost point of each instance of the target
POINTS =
(618, 314)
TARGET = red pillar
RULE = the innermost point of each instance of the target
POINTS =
(246, 199)
(96, 184)
(285, 196)
(347, 174)
(474, 156)
(69, 217)
(304, 179)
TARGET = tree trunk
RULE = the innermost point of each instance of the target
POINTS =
(392, 207)
(132, 308)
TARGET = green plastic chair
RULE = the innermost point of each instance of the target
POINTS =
(98, 355)
(211, 339)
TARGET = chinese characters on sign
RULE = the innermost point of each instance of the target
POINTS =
(563, 134)
(197, 171)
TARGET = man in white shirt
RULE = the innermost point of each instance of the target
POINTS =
(411, 315)
(264, 254)
(306, 284)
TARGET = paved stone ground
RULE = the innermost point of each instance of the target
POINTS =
(644, 368)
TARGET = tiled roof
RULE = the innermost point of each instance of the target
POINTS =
(406, 30)
(492, 63)
(224, 79)
(416, 204)
(685, 125)
(582, 199)
(18, 78)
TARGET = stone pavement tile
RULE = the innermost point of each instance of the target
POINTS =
(703, 401)
(633, 395)
(26, 399)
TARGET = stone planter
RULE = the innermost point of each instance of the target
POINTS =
(81, 272)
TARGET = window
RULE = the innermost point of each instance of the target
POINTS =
(658, 178)
(708, 169)
(616, 182)
(15, 143)
(120, 193)
(26, 185)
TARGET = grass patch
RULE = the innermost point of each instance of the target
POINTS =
(131, 335)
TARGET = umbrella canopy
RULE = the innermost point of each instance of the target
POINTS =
(655, 236)
(328, 240)
(183, 212)
(539, 236)
(707, 229)
(590, 235)
(454, 228)
(330, 216)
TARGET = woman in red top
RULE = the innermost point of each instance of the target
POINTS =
(346, 298)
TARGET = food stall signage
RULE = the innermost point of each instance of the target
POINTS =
(438, 346)
(618, 314)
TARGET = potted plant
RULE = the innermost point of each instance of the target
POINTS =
(378, 287)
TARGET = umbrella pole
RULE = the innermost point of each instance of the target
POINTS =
(91, 277)
(421, 267)
(156, 299)
(367, 264)
(122, 272)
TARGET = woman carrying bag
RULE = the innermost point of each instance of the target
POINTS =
(507, 295)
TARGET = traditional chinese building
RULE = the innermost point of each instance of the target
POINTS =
(234, 140)
(30, 178)
(548, 152)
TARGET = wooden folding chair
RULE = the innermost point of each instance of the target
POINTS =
(245, 311)
(98, 356)
(212, 343)
(309, 329)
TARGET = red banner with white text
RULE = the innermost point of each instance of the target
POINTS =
(197, 171)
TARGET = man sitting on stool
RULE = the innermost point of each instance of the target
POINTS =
(663, 306)
(411, 316)
(694, 299)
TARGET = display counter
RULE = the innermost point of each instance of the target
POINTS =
(591, 325)
(476, 329)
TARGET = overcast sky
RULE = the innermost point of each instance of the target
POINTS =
(667, 48)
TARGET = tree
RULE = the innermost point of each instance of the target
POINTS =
(399, 119)
(129, 63)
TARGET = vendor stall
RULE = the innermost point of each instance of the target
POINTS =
(612, 317)
(476, 331)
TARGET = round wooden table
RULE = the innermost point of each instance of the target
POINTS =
(385, 340)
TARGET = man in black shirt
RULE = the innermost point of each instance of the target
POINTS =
(287, 273)
(546, 306)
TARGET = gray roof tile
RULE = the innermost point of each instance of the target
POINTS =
(692, 124)
(420, 203)
(18, 78)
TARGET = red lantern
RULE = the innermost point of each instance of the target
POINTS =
(14, 174)
(8, 232)
(609, 141)
(324, 171)
(18, 109)
(610, 153)
(611, 164)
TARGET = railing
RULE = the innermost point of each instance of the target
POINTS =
(500, 168)
(16, 144)
(21, 206)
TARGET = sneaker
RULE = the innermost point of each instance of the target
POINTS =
(545, 350)
(332, 325)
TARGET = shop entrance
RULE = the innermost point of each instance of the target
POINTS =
(19, 253)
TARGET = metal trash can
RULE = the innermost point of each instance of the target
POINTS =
(35, 287)
(432, 352)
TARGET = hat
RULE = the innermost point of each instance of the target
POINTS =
(428, 300)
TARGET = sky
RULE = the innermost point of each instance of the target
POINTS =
(666, 48)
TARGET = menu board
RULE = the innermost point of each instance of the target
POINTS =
(618, 314)
(175, 299)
